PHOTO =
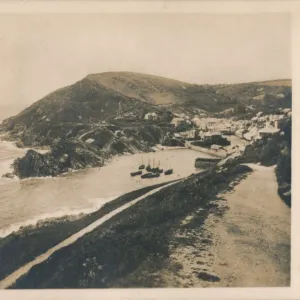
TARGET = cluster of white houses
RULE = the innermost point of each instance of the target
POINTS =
(207, 129)
(260, 126)
(151, 116)
(197, 134)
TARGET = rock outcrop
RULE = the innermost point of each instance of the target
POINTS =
(8, 175)
(89, 151)
(65, 156)
(33, 164)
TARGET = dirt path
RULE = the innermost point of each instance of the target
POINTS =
(9, 280)
(250, 243)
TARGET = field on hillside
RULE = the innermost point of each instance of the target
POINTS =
(279, 82)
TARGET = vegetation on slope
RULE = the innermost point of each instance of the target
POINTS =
(35, 240)
(75, 153)
(130, 248)
(96, 98)
(275, 150)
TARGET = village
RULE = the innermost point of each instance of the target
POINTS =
(213, 134)
(226, 135)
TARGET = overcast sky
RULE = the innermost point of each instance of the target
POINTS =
(39, 54)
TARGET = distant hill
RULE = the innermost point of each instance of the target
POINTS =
(147, 88)
(278, 82)
(100, 97)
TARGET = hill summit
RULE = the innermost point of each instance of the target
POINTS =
(108, 97)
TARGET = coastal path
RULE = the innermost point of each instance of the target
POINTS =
(250, 241)
(11, 279)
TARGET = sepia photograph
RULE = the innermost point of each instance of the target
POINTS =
(145, 150)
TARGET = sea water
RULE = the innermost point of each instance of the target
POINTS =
(24, 202)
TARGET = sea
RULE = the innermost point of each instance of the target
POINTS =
(27, 201)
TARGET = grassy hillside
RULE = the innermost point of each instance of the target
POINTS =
(278, 82)
(97, 98)
(130, 249)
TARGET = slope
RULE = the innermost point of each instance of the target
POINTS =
(99, 97)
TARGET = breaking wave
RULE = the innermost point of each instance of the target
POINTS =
(57, 216)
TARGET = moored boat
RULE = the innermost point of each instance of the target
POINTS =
(148, 168)
(169, 171)
(136, 173)
(150, 175)
(142, 166)
(157, 169)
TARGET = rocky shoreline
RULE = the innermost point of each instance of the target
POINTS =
(93, 150)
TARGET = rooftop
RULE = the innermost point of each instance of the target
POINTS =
(269, 130)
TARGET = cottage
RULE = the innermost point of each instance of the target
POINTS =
(151, 116)
(191, 134)
(279, 96)
(178, 121)
(286, 110)
(267, 131)
(196, 122)
(118, 133)
(207, 136)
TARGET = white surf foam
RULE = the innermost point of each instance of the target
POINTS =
(67, 213)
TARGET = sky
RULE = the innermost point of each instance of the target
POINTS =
(41, 53)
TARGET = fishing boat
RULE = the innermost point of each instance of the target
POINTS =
(150, 175)
(148, 168)
(157, 169)
(169, 171)
(142, 166)
(136, 173)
